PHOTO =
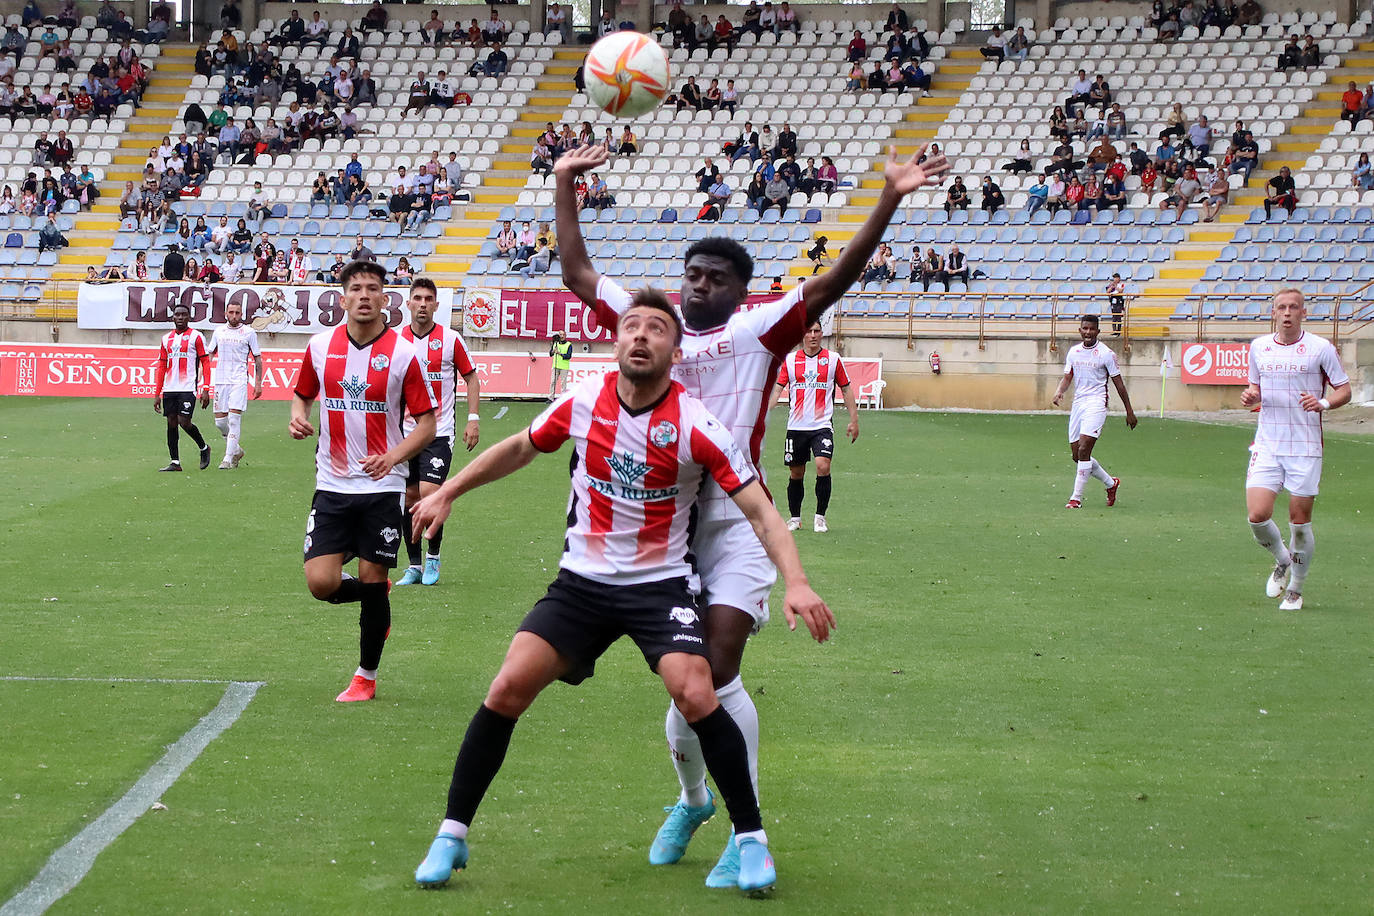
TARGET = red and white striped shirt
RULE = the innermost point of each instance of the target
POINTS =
(730, 369)
(181, 356)
(635, 478)
(813, 380)
(444, 357)
(364, 392)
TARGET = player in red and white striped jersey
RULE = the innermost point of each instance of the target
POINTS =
(366, 378)
(730, 361)
(644, 449)
(1289, 372)
(182, 367)
(444, 356)
(813, 373)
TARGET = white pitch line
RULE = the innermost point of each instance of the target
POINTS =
(501, 413)
(67, 866)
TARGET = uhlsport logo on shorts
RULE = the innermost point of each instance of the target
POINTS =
(380, 362)
(663, 435)
(684, 615)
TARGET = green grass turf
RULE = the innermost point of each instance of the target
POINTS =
(1025, 710)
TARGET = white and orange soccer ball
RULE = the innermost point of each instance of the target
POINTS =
(626, 74)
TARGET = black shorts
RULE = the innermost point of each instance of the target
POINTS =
(432, 464)
(367, 525)
(802, 444)
(581, 618)
(178, 403)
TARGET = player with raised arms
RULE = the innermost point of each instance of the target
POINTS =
(812, 373)
(366, 378)
(643, 448)
(183, 366)
(1088, 366)
(1289, 372)
(444, 356)
(234, 342)
(730, 360)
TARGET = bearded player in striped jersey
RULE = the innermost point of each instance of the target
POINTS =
(444, 356)
(812, 373)
(643, 448)
(730, 362)
(182, 367)
(366, 378)
(1289, 372)
(235, 343)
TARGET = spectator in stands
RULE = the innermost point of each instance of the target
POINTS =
(1061, 159)
(1199, 138)
(1102, 155)
(1183, 193)
(957, 196)
(1037, 195)
(717, 199)
(507, 241)
(787, 142)
(914, 76)
(679, 23)
(598, 196)
(28, 201)
(496, 63)
(928, 268)
(183, 234)
(128, 201)
(1079, 92)
(539, 260)
(956, 265)
(1112, 194)
(559, 19)
(322, 192)
(746, 144)
(494, 30)
(776, 192)
(702, 33)
(689, 95)
(787, 20)
(827, 176)
(200, 235)
(138, 270)
(1165, 152)
(1218, 192)
(1074, 193)
(357, 192)
(896, 19)
(291, 31)
(995, 46)
(1078, 126)
(42, 149)
(420, 93)
(360, 251)
(524, 241)
(1246, 157)
(1018, 45)
(13, 42)
(1022, 161)
(541, 158)
(1092, 191)
(262, 270)
(880, 267)
(896, 46)
(857, 50)
(31, 16)
(50, 237)
(1352, 104)
(1368, 110)
(281, 269)
(1059, 124)
(348, 45)
(1137, 158)
(229, 137)
(1249, 13)
(374, 20)
(992, 198)
(708, 175)
(749, 19)
(1361, 175)
(1175, 123)
(1311, 54)
(722, 34)
(1280, 190)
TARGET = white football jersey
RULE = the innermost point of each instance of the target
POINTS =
(1283, 374)
(235, 347)
(1092, 367)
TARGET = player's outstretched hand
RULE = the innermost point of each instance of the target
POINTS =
(905, 177)
(377, 466)
(471, 434)
(581, 159)
(300, 428)
(805, 603)
(852, 430)
(428, 514)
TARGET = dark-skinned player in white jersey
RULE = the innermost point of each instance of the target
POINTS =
(730, 361)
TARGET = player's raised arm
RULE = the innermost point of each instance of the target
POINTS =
(799, 599)
(504, 458)
(899, 179)
(1125, 400)
(578, 273)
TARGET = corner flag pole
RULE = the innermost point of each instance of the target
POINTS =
(1165, 365)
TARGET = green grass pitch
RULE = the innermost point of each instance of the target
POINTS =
(1025, 710)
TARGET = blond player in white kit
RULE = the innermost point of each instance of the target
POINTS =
(1089, 365)
(1289, 372)
(730, 360)
(235, 343)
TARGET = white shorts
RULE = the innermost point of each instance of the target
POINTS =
(1087, 421)
(231, 396)
(734, 568)
(1300, 475)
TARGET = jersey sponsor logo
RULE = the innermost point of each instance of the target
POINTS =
(434, 376)
(356, 389)
(390, 535)
(684, 615)
(663, 435)
(628, 468)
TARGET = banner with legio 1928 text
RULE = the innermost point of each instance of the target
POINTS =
(1215, 364)
(268, 307)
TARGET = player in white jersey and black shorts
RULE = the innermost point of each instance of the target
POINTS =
(183, 366)
(235, 343)
(1290, 370)
(444, 356)
(730, 362)
(812, 374)
(1088, 366)
(366, 379)
(643, 449)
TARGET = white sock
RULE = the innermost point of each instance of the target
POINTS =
(363, 672)
(687, 760)
(454, 828)
(1301, 547)
(235, 428)
(431, 556)
(1080, 478)
(222, 424)
(1268, 536)
(752, 835)
(740, 705)
(1100, 473)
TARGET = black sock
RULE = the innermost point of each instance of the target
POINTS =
(349, 591)
(822, 493)
(196, 437)
(796, 489)
(412, 547)
(479, 758)
(727, 760)
(172, 448)
(435, 541)
(374, 620)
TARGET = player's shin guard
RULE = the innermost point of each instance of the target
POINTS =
(1301, 547)
(796, 490)
(687, 760)
(822, 493)
(740, 705)
(173, 446)
(436, 540)
(1268, 536)
(222, 424)
(1080, 478)
(479, 758)
(374, 620)
(1100, 473)
(722, 745)
(235, 422)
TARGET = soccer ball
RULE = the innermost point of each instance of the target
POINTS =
(626, 74)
